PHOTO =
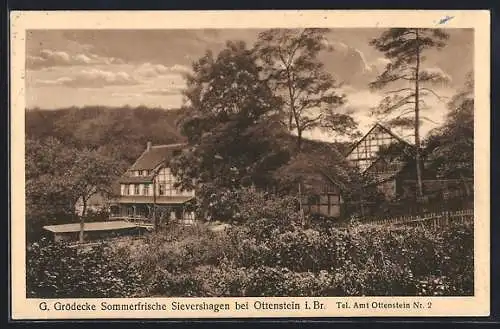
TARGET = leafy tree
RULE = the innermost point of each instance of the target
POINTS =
(291, 65)
(90, 174)
(58, 176)
(229, 123)
(450, 148)
(47, 194)
(404, 47)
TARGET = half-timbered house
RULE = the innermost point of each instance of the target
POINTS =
(147, 189)
(320, 176)
(378, 167)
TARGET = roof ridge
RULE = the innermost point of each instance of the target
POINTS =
(135, 162)
(154, 155)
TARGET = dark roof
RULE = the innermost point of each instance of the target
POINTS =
(393, 169)
(316, 161)
(93, 226)
(157, 154)
(149, 199)
(381, 178)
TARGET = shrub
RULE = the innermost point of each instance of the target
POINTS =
(242, 206)
(263, 258)
(58, 271)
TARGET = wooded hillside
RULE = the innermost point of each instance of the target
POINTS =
(118, 132)
(121, 132)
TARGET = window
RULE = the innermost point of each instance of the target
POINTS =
(166, 182)
(162, 189)
(146, 189)
(136, 189)
(125, 189)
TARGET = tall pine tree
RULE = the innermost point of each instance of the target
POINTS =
(405, 47)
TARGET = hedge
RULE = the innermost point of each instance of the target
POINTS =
(262, 258)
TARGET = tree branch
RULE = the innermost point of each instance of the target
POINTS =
(399, 90)
(434, 93)
(428, 119)
(309, 122)
(296, 48)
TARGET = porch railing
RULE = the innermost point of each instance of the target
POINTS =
(143, 220)
(131, 217)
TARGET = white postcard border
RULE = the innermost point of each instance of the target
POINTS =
(479, 305)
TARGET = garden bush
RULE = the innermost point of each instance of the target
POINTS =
(362, 260)
(56, 270)
(247, 260)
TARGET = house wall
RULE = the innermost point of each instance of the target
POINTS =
(164, 182)
(326, 200)
(365, 152)
(388, 188)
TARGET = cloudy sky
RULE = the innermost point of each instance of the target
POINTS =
(131, 67)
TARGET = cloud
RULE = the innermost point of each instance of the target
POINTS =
(171, 91)
(436, 75)
(153, 70)
(50, 58)
(380, 64)
(348, 64)
(126, 94)
(93, 78)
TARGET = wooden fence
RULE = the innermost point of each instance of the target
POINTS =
(430, 219)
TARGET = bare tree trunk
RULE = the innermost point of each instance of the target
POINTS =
(293, 115)
(362, 207)
(417, 121)
(82, 221)
(155, 217)
(301, 210)
(299, 139)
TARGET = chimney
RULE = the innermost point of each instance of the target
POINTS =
(148, 147)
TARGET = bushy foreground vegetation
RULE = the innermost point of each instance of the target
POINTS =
(262, 258)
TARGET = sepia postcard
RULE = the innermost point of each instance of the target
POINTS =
(249, 164)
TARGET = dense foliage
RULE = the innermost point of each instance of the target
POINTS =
(119, 132)
(450, 147)
(229, 109)
(59, 176)
(56, 270)
(270, 254)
